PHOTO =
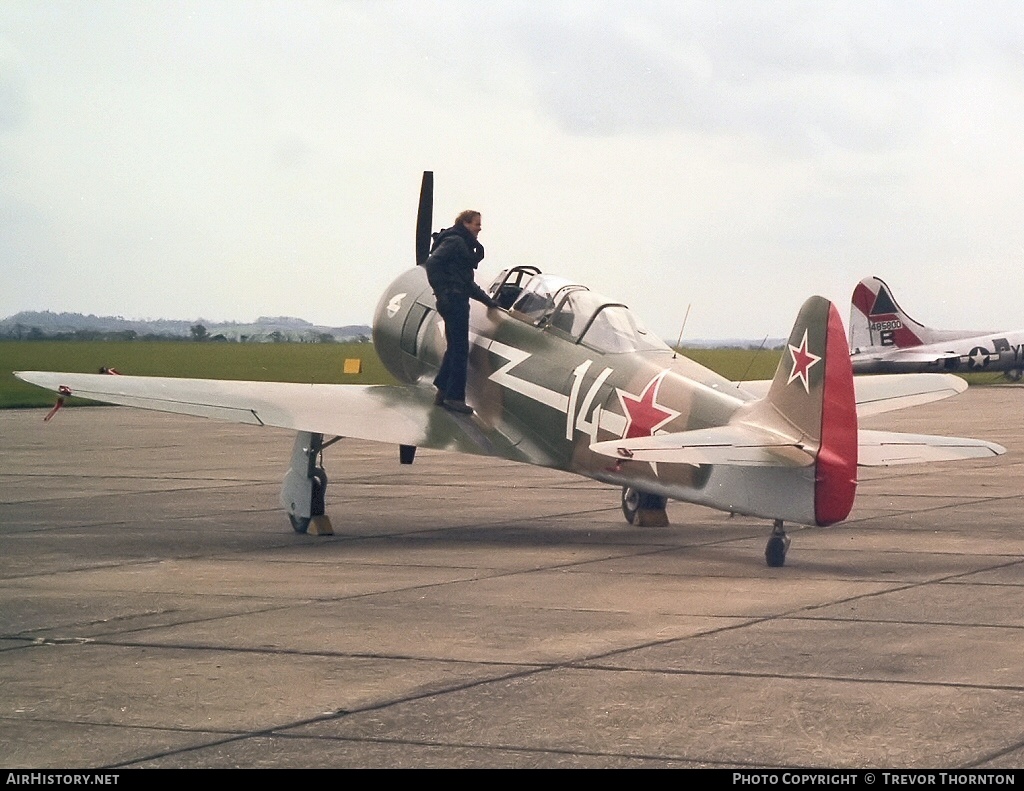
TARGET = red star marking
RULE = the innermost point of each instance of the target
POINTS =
(803, 360)
(644, 415)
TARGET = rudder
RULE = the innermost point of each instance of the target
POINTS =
(812, 391)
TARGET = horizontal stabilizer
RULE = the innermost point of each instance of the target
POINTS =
(878, 394)
(740, 445)
(887, 448)
(889, 392)
(748, 446)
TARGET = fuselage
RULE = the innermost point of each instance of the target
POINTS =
(548, 379)
(998, 351)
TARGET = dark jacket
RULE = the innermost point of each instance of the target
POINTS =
(452, 261)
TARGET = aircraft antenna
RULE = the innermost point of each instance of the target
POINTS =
(675, 349)
(750, 365)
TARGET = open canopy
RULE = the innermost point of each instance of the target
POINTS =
(555, 303)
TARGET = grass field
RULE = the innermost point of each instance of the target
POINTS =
(737, 364)
(272, 362)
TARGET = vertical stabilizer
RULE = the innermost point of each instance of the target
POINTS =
(876, 320)
(812, 392)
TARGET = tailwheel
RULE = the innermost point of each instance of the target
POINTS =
(778, 544)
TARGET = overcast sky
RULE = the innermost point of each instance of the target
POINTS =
(227, 160)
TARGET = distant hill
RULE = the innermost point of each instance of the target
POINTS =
(731, 343)
(47, 324)
(266, 329)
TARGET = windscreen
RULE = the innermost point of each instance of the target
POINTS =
(605, 326)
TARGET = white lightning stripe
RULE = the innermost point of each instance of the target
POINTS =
(577, 382)
(590, 400)
(533, 391)
(609, 421)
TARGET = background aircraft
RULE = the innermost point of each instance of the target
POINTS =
(563, 377)
(884, 339)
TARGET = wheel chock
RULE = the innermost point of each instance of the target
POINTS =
(320, 526)
(651, 517)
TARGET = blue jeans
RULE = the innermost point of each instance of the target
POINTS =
(451, 379)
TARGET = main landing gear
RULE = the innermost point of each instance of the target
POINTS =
(778, 544)
(305, 485)
(644, 509)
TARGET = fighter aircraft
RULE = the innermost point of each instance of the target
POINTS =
(563, 377)
(884, 339)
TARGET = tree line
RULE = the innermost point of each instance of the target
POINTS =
(197, 332)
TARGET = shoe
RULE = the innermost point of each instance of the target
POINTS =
(457, 406)
(439, 398)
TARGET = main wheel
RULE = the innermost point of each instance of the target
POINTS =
(630, 503)
(775, 551)
(300, 524)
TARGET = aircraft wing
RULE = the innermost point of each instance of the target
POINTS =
(887, 448)
(888, 392)
(741, 445)
(384, 413)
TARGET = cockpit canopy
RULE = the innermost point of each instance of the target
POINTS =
(559, 305)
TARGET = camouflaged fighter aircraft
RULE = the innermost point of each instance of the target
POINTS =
(563, 377)
(884, 339)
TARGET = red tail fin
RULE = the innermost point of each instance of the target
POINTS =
(813, 392)
(835, 481)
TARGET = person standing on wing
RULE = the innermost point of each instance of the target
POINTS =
(454, 257)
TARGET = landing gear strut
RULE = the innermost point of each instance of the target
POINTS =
(775, 552)
(305, 485)
(643, 509)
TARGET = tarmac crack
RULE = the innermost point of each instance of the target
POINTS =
(959, 685)
(329, 717)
